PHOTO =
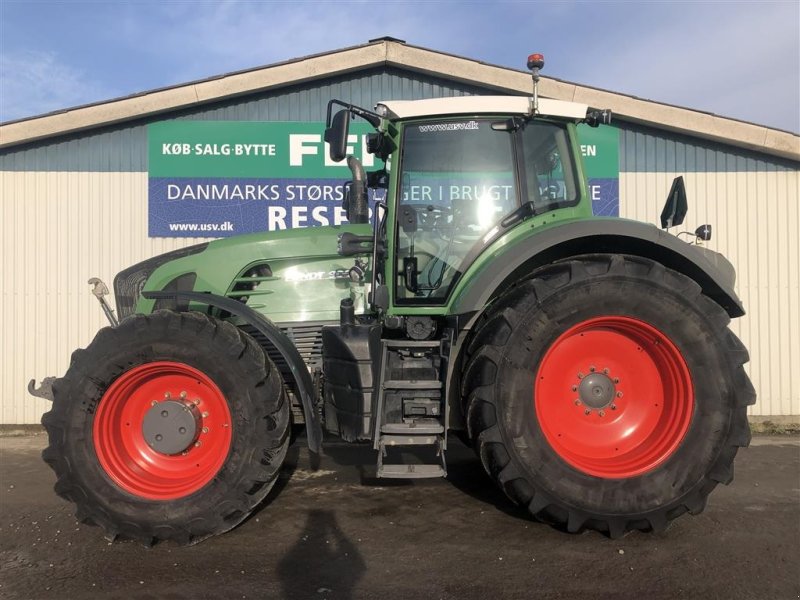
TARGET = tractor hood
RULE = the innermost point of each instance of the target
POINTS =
(289, 275)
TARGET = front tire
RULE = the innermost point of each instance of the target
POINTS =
(606, 392)
(171, 426)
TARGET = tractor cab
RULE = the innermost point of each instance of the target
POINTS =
(460, 173)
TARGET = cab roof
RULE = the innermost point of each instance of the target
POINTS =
(477, 105)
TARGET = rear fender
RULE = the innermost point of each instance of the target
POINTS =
(709, 269)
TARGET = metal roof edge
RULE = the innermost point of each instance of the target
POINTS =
(194, 93)
(393, 52)
(625, 107)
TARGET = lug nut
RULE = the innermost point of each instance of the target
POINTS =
(616, 379)
(602, 413)
(183, 395)
(619, 394)
(197, 444)
(167, 395)
(577, 401)
(605, 370)
(574, 388)
(588, 411)
(154, 402)
(613, 407)
(205, 415)
(205, 429)
(580, 375)
(592, 369)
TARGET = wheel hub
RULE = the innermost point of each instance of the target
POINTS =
(613, 396)
(171, 427)
(596, 390)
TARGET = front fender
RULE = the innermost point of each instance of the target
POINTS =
(278, 339)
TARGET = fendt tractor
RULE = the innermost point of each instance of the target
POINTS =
(587, 360)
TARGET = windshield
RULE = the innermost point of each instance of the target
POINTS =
(458, 179)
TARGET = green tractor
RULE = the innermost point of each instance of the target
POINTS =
(588, 361)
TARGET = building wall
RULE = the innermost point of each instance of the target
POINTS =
(751, 201)
(76, 208)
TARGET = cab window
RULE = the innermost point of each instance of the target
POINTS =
(549, 172)
(457, 181)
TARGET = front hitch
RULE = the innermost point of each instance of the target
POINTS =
(45, 390)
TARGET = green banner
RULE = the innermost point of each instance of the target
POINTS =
(600, 149)
(286, 150)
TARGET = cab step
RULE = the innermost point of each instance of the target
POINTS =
(410, 411)
(416, 427)
(411, 471)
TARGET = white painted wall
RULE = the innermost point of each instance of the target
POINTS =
(58, 230)
(756, 224)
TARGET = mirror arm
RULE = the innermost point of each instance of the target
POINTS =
(372, 118)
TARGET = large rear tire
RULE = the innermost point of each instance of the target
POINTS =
(171, 426)
(606, 392)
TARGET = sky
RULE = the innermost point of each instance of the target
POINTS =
(735, 59)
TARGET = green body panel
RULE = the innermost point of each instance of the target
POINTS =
(309, 278)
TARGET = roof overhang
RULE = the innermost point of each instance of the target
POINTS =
(483, 105)
(388, 52)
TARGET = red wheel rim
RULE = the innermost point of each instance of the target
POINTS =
(614, 397)
(128, 458)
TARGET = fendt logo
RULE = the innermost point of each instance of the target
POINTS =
(311, 144)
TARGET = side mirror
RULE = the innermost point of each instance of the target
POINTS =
(676, 206)
(703, 232)
(336, 135)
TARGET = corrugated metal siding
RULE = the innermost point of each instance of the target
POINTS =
(125, 148)
(752, 203)
(60, 229)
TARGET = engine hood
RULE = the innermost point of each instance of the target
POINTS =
(291, 275)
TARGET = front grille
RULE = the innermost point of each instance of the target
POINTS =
(128, 284)
(307, 338)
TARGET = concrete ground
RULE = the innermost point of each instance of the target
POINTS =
(338, 533)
